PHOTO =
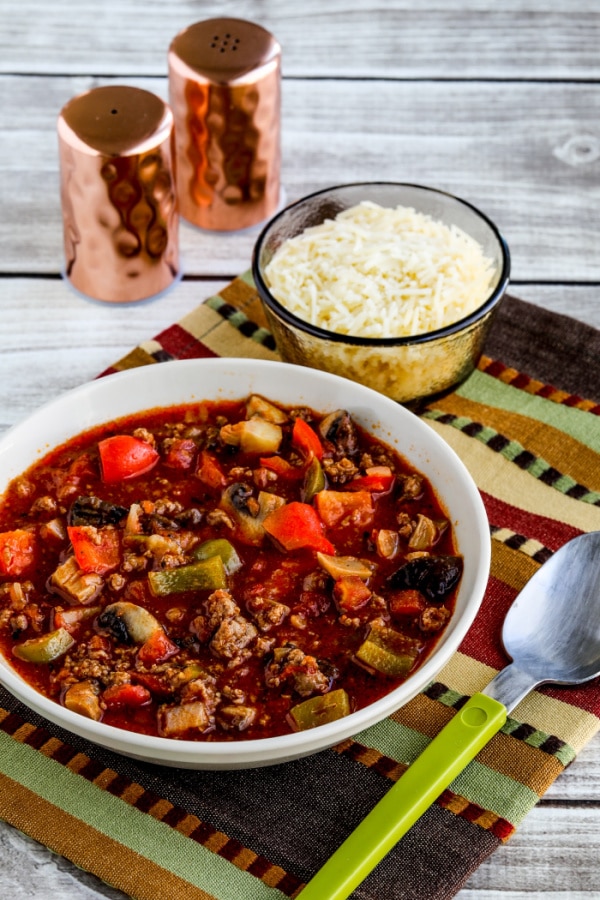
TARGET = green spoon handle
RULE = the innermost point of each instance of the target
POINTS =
(425, 779)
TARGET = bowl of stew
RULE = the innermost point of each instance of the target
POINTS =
(392, 285)
(231, 563)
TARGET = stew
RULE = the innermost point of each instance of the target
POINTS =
(222, 570)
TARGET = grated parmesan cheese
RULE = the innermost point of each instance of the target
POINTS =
(378, 272)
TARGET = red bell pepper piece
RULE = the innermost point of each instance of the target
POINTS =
(306, 440)
(353, 508)
(297, 526)
(96, 549)
(157, 649)
(123, 456)
(126, 695)
(378, 480)
(282, 467)
(209, 471)
(17, 551)
(350, 593)
(407, 603)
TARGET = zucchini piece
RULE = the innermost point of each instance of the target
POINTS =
(46, 648)
(387, 651)
(320, 709)
(204, 575)
(253, 436)
(219, 547)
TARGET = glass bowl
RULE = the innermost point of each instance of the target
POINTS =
(407, 369)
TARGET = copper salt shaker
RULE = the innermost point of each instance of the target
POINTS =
(118, 194)
(225, 92)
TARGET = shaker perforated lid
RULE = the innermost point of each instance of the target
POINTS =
(225, 92)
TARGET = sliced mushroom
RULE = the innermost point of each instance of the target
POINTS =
(339, 432)
(128, 622)
(249, 512)
(93, 511)
(343, 566)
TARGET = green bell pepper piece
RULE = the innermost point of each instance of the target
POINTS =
(389, 652)
(206, 574)
(219, 547)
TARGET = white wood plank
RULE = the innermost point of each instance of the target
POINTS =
(52, 339)
(554, 853)
(512, 152)
(394, 40)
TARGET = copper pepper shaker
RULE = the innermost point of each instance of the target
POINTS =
(225, 92)
(118, 194)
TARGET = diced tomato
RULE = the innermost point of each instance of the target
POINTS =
(407, 603)
(350, 593)
(180, 454)
(210, 472)
(157, 686)
(345, 508)
(126, 695)
(157, 649)
(96, 549)
(282, 467)
(123, 456)
(306, 440)
(297, 526)
(378, 480)
(17, 551)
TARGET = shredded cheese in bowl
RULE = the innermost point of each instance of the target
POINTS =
(380, 272)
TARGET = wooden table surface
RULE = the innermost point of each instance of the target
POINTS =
(498, 103)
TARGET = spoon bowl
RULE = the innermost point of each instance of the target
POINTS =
(553, 627)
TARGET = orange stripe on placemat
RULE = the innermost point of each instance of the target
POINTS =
(148, 802)
(524, 382)
(477, 815)
(454, 803)
(110, 860)
(558, 449)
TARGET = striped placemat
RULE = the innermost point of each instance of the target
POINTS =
(527, 425)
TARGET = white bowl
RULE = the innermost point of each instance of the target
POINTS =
(173, 383)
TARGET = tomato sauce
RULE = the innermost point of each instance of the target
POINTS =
(222, 571)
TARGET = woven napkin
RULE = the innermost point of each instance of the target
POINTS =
(527, 425)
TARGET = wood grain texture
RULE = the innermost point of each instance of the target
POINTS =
(395, 39)
(498, 103)
(472, 139)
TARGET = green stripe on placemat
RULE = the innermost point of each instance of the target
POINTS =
(516, 453)
(134, 829)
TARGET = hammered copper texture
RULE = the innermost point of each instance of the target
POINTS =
(118, 194)
(224, 89)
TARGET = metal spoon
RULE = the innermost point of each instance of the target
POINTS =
(552, 633)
